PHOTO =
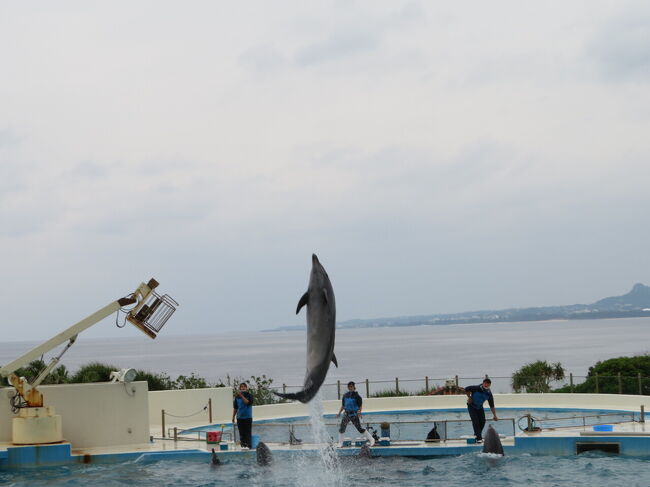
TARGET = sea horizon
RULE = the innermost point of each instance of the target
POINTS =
(378, 354)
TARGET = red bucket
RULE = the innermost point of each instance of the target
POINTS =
(213, 436)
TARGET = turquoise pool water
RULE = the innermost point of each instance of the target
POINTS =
(587, 470)
(590, 469)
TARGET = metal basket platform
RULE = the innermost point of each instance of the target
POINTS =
(154, 313)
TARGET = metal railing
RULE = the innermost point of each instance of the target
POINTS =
(584, 421)
(616, 384)
(287, 432)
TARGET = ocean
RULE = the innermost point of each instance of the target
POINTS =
(378, 354)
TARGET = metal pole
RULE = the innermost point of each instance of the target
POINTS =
(597, 391)
(163, 423)
(530, 422)
(571, 381)
(426, 383)
(284, 388)
(210, 410)
(338, 389)
(456, 381)
(640, 384)
(367, 388)
(175, 433)
(620, 384)
(396, 385)
(642, 418)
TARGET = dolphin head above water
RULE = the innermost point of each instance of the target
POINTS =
(491, 442)
(215, 459)
(365, 452)
(263, 454)
(321, 328)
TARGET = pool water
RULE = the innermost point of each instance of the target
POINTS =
(587, 470)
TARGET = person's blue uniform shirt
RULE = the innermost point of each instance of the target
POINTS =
(244, 411)
(351, 402)
(480, 395)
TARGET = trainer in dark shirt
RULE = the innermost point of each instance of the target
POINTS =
(476, 396)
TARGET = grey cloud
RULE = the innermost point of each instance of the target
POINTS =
(340, 45)
(87, 171)
(262, 58)
(357, 32)
(8, 138)
(622, 48)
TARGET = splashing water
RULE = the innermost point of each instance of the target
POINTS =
(330, 472)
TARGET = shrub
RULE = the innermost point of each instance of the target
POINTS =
(93, 372)
(537, 376)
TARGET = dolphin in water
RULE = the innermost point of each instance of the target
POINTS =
(215, 460)
(365, 452)
(492, 443)
(321, 327)
(263, 454)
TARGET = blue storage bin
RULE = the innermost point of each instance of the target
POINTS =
(603, 427)
(255, 440)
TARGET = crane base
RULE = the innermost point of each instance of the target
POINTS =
(37, 426)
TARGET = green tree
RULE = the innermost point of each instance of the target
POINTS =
(58, 375)
(93, 372)
(261, 387)
(603, 376)
(537, 376)
(190, 382)
(155, 382)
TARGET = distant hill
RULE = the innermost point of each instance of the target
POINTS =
(633, 304)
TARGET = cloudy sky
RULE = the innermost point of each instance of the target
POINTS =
(437, 157)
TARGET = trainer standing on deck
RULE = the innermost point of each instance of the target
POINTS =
(476, 396)
(351, 403)
(243, 410)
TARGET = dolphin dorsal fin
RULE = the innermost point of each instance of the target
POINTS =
(302, 302)
(327, 298)
(334, 361)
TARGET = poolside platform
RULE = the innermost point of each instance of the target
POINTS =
(132, 428)
(627, 439)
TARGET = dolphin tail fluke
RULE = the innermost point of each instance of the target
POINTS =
(302, 396)
(334, 361)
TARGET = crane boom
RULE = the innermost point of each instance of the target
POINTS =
(64, 336)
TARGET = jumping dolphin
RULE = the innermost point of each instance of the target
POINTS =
(263, 453)
(215, 460)
(321, 327)
(491, 442)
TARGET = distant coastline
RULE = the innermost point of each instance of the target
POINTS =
(634, 304)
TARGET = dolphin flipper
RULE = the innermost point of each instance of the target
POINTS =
(334, 361)
(303, 301)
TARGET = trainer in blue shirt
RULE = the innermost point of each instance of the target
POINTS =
(242, 408)
(476, 396)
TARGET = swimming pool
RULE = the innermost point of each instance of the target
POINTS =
(587, 470)
(309, 469)
(414, 425)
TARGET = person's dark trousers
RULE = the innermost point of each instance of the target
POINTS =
(245, 426)
(351, 418)
(478, 420)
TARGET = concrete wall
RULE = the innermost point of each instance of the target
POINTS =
(93, 415)
(180, 406)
